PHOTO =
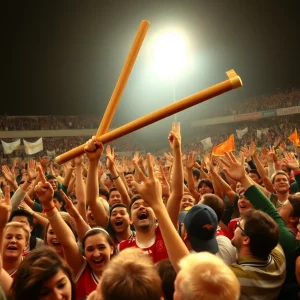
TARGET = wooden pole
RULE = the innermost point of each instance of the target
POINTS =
(123, 78)
(233, 82)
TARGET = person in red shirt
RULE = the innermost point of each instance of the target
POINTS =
(119, 223)
(148, 236)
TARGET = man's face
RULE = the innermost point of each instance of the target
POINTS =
(14, 242)
(142, 216)
(238, 188)
(23, 220)
(53, 183)
(243, 203)
(114, 198)
(286, 211)
(57, 204)
(129, 178)
(239, 235)
(205, 189)
(281, 184)
(255, 178)
(119, 219)
(187, 201)
(90, 218)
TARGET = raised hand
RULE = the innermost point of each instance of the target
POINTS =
(71, 209)
(246, 152)
(9, 176)
(175, 136)
(26, 207)
(150, 189)
(291, 161)
(44, 190)
(234, 169)
(93, 149)
(5, 207)
(31, 169)
(78, 161)
(110, 157)
(191, 160)
(164, 183)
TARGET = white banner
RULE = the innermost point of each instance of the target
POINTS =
(35, 147)
(51, 153)
(9, 148)
(241, 133)
(262, 131)
(207, 143)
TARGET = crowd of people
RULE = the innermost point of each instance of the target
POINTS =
(220, 228)
(177, 224)
(280, 99)
(260, 103)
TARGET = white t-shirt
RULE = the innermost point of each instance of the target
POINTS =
(226, 251)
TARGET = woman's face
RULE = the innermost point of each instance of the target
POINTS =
(53, 242)
(56, 288)
(97, 252)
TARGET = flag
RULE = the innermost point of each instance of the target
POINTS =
(294, 137)
(207, 143)
(226, 146)
(262, 131)
(52, 153)
(241, 133)
(9, 148)
(35, 147)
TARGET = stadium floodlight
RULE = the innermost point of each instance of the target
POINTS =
(169, 54)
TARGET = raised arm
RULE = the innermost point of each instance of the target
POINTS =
(150, 190)
(120, 186)
(64, 234)
(93, 150)
(80, 188)
(173, 204)
(5, 210)
(189, 169)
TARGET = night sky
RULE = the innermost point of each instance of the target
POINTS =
(64, 57)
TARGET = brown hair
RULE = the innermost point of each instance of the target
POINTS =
(263, 232)
(131, 275)
(214, 202)
(95, 231)
(167, 275)
(38, 267)
(66, 219)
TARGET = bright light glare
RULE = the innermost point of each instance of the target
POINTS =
(169, 54)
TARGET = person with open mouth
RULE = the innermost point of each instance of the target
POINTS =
(15, 241)
(119, 223)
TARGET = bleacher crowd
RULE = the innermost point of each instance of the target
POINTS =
(223, 226)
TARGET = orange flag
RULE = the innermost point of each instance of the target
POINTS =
(226, 146)
(294, 137)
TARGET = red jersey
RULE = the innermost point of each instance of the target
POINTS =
(156, 250)
(232, 226)
(223, 232)
(86, 282)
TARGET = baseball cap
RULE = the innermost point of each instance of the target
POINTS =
(201, 223)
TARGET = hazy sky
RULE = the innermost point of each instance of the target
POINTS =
(64, 57)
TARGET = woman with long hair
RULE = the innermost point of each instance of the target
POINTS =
(43, 275)
(97, 245)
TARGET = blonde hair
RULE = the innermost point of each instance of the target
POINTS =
(131, 275)
(21, 226)
(205, 276)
